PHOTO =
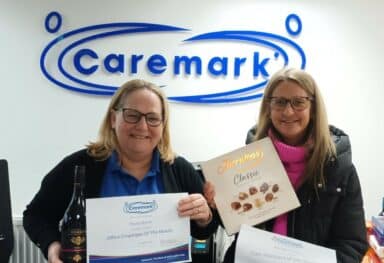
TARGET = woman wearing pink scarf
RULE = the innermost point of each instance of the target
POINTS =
(317, 159)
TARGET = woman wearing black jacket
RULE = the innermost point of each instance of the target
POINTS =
(132, 156)
(317, 159)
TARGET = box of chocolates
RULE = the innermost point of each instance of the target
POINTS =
(251, 185)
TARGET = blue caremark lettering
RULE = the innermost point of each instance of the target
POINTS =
(78, 56)
(187, 62)
(118, 58)
(222, 66)
(157, 64)
(259, 67)
(238, 63)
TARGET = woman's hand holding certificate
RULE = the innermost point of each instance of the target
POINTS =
(195, 206)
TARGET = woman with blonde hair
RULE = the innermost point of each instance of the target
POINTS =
(132, 156)
(317, 159)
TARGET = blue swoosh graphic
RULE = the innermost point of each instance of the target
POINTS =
(223, 97)
(252, 36)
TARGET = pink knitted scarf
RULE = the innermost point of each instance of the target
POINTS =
(293, 159)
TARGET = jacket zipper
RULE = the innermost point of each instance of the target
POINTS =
(293, 223)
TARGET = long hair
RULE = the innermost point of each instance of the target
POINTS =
(107, 140)
(322, 147)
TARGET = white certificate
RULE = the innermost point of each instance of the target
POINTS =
(141, 228)
(255, 245)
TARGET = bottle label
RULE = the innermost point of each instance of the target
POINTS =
(73, 246)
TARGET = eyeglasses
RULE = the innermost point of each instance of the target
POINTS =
(297, 103)
(134, 116)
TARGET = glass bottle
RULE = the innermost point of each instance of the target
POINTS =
(73, 225)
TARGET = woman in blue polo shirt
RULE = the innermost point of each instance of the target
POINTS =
(132, 156)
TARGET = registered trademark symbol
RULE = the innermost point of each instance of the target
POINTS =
(53, 22)
(293, 20)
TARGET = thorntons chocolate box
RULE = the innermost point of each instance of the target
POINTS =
(251, 185)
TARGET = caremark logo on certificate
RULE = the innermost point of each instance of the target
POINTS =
(251, 185)
(139, 228)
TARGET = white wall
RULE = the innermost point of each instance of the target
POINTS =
(41, 123)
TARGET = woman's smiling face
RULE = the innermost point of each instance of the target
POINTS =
(291, 124)
(138, 139)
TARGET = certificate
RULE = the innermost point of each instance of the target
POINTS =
(255, 245)
(251, 185)
(140, 228)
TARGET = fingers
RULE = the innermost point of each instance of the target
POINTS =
(195, 206)
(209, 190)
(209, 194)
(191, 202)
(54, 252)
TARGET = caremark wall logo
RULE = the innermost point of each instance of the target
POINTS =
(80, 60)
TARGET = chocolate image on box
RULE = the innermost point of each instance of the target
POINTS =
(258, 203)
(247, 207)
(243, 196)
(252, 190)
(264, 188)
(275, 188)
(235, 205)
(269, 197)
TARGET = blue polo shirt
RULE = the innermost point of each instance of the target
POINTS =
(118, 182)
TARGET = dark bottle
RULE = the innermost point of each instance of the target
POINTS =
(382, 208)
(73, 227)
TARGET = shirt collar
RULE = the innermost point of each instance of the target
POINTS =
(155, 163)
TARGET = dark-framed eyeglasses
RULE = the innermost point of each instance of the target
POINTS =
(133, 116)
(298, 103)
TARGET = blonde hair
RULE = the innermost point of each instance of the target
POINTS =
(322, 147)
(107, 140)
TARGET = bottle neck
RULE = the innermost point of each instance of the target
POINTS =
(382, 208)
(77, 189)
(78, 198)
(79, 182)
